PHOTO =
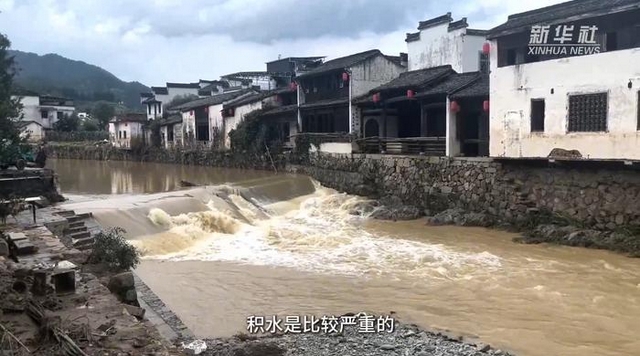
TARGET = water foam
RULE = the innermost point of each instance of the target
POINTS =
(322, 235)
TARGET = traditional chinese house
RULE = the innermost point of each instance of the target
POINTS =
(417, 114)
(567, 76)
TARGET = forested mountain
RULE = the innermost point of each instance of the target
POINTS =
(56, 75)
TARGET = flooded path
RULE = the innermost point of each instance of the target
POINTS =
(256, 243)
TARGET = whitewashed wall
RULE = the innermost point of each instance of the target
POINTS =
(438, 46)
(513, 87)
(238, 116)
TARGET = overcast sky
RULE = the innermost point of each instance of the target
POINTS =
(155, 41)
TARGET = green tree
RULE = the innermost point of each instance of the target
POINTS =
(90, 125)
(68, 123)
(103, 112)
(10, 108)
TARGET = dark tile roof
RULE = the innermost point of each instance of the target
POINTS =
(462, 23)
(324, 103)
(151, 100)
(342, 62)
(212, 100)
(281, 110)
(451, 84)
(48, 100)
(476, 32)
(479, 88)
(550, 15)
(129, 117)
(298, 59)
(255, 97)
(24, 123)
(446, 18)
(246, 74)
(411, 37)
(146, 95)
(171, 120)
(184, 85)
(160, 90)
(415, 78)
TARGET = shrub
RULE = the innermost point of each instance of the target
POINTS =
(112, 249)
(76, 136)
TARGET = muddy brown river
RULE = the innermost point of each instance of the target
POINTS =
(260, 243)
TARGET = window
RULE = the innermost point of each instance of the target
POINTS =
(611, 41)
(59, 115)
(119, 134)
(44, 114)
(511, 56)
(149, 109)
(170, 134)
(638, 116)
(483, 62)
(124, 134)
(588, 112)
(537, 115)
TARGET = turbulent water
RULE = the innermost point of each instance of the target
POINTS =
(277, 244)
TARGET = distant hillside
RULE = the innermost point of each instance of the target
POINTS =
(56, 75)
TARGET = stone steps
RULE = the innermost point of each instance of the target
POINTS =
(74, 230)
(77, 235)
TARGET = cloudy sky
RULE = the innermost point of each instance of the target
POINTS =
(155, 41)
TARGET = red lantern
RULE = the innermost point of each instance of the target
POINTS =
(345, 77)
(206, 109)
(191, 113)
(410, 94)
(486, 48)
(455, 107)
(293, 86)
(485, 105)
(376, 97)
(230, 112)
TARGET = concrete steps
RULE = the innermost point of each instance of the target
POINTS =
(77, 235)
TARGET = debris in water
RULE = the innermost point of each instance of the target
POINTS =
(197, 346)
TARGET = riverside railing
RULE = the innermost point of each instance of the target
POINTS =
(428, 146)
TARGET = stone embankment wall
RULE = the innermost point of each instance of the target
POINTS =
(597, 196)
(200, 157)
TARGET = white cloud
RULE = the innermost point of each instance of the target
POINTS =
(156, 41)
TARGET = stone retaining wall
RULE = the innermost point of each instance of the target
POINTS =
(201, 157)
(599, 196)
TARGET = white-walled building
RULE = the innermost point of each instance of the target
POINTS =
(126, 127)
(442, 41)
(44, 110)
(202, 119)
(548, 92)
(32, 128)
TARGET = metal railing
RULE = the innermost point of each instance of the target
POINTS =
(428, 146)
(320, 137)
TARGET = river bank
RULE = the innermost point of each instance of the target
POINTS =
(586, 204)
(75, 313)
(404, 340)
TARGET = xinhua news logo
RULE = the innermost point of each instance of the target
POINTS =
(563, 40)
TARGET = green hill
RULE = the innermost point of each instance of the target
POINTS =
(56, 75)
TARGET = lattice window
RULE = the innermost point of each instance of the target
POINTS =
(588, 112)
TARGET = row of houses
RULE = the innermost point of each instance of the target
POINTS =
(564, 77)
